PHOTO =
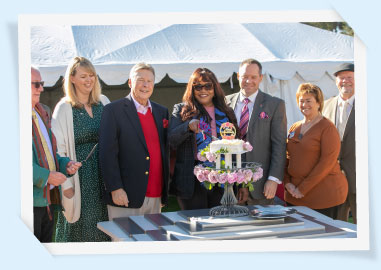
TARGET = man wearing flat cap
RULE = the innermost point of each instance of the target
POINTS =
(341, 111)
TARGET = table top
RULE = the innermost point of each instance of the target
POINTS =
(198, 225)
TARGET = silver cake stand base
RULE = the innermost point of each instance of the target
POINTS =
(229, 211)
(229, 207)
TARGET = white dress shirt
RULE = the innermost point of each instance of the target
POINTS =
(140, 108)
(339, 111)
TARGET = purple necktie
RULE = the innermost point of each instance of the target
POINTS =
(244, 119)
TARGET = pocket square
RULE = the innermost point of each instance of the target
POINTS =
(165, 123)
(263, 115)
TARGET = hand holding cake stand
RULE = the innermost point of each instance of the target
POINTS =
(225, 172)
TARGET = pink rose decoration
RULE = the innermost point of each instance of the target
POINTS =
(201, 173)
(258, 174)
(206, 173)
(247, 146)
(200, 157)
(232, 178)
(196, 172)
(200, 176)
(213, 177)
(248, 175)
(223, 177)
(210, 156)
(240, 177)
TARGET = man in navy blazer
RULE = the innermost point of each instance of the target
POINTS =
(133, 149)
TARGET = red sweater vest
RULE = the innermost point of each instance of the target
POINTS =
(155, 177)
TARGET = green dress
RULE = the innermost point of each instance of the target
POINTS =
(93, 209)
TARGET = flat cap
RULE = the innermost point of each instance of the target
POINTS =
(344, 67)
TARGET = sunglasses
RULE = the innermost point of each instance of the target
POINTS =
(38, 84)
(207, 86)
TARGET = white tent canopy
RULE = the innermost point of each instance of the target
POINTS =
(291, 53)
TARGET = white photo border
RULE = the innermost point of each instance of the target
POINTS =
(359, 243)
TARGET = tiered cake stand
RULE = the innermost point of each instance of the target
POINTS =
(229, 207)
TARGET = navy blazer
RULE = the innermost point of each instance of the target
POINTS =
(184, 141)
(123, 152)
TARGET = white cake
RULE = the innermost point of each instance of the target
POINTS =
(233, 146)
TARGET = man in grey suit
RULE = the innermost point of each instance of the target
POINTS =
(341, 111)
(262, 121)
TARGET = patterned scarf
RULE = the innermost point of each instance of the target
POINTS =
(54, 193)
(203, 139)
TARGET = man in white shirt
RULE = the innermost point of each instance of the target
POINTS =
(341, 111)
(262, 121)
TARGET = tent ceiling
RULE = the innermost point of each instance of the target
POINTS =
(178, 49)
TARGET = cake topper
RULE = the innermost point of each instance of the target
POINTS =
(227, 131)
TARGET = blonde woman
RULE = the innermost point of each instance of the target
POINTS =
(76, 120)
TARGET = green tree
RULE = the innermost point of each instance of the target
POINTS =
(341, 27)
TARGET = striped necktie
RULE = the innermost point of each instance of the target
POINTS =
(244, 119)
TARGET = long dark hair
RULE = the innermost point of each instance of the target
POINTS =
(192, 108)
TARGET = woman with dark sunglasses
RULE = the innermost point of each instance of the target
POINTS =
(194, 124)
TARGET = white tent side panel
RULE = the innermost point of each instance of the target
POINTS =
(287, 91)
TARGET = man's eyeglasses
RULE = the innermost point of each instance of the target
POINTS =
(207, 86)
(38, 84)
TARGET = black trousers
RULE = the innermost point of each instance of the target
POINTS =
(202, 198)
(329, 212)
(43, 226)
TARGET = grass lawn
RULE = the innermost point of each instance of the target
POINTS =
(172, 205)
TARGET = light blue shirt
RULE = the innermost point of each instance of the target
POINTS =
(240, 103)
